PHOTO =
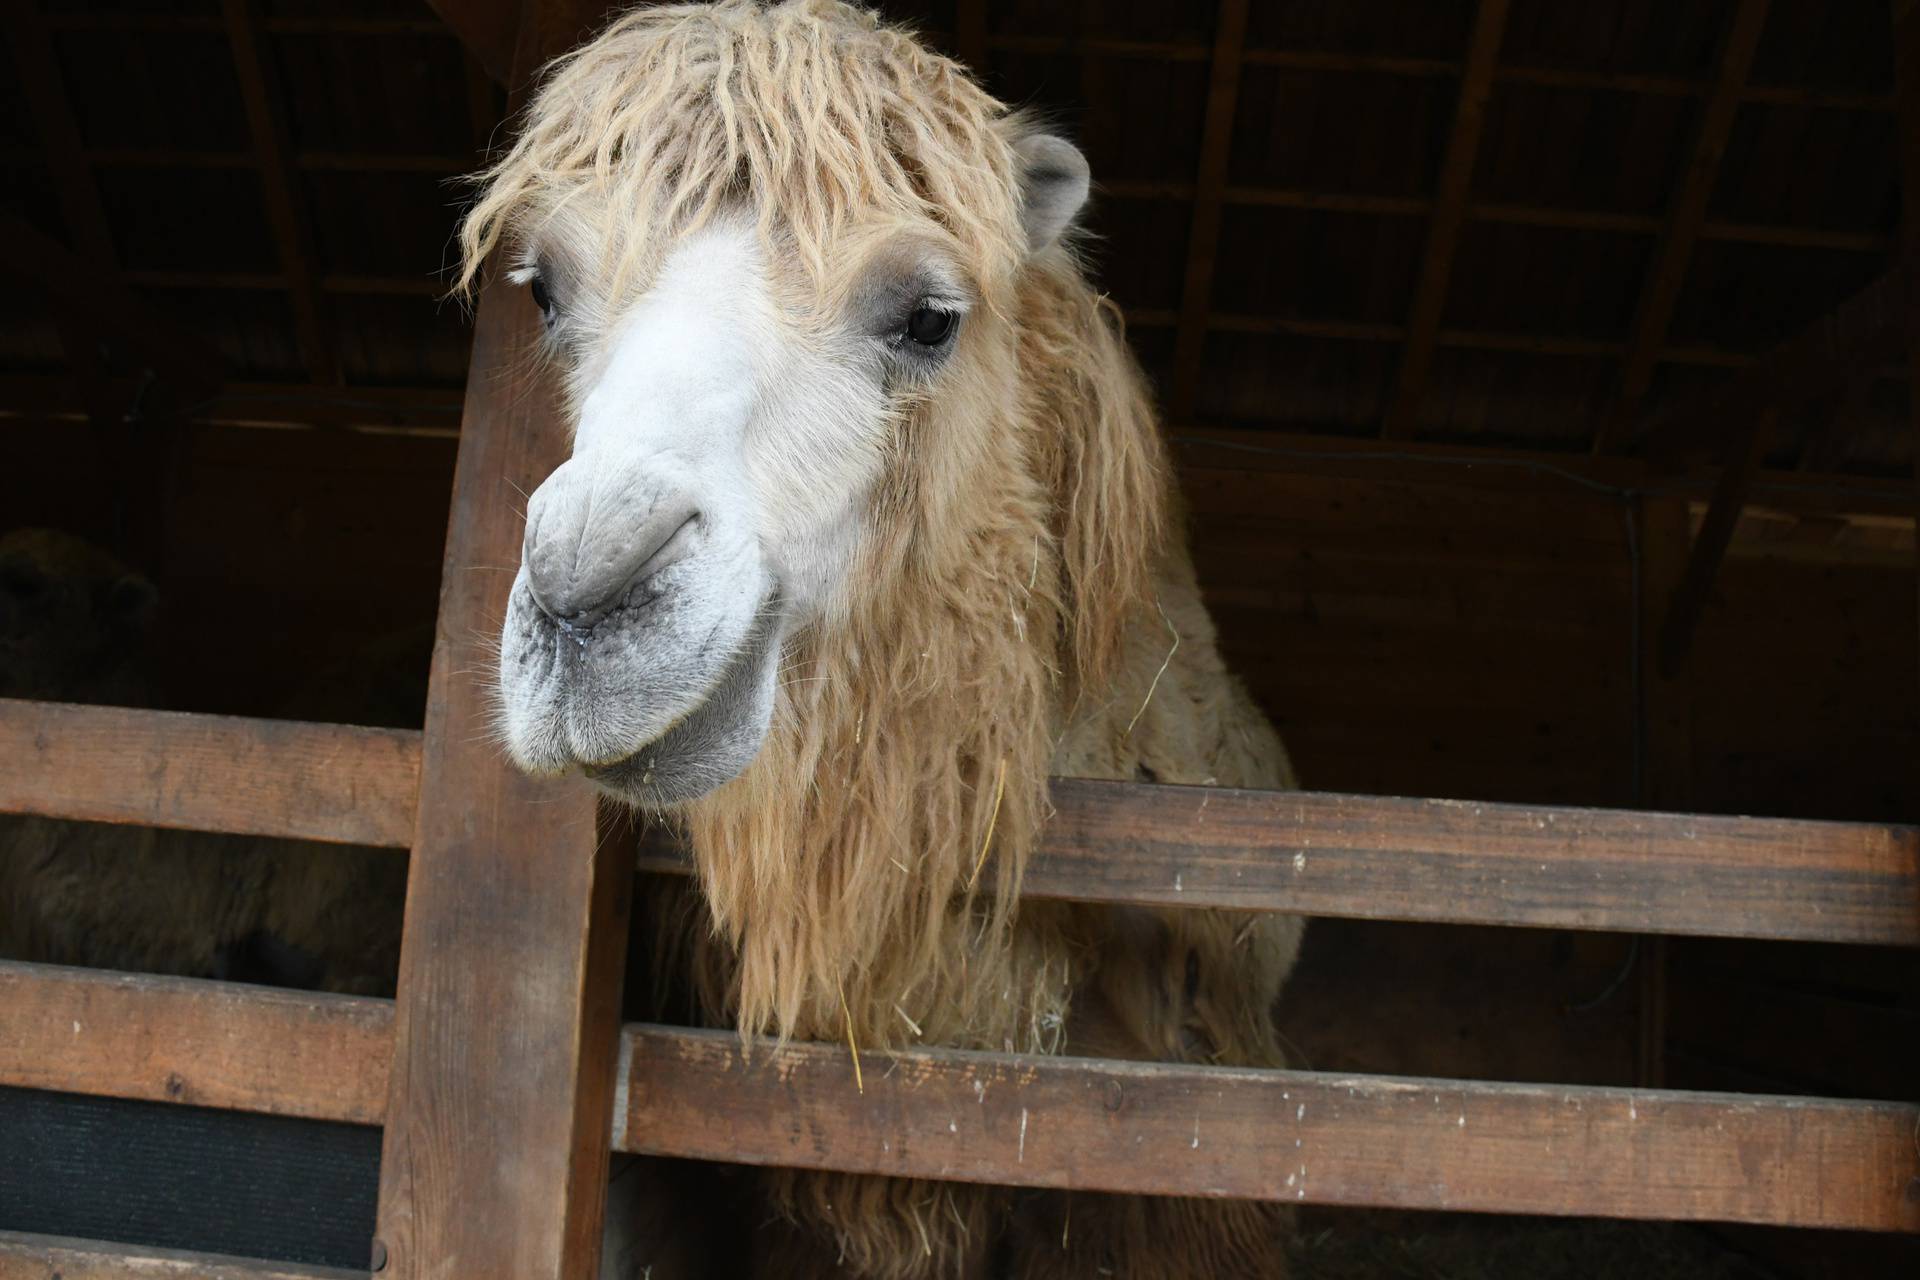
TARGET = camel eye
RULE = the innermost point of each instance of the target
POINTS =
(930, 326)
(541, 297)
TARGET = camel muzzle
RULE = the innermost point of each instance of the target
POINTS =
(597, 534)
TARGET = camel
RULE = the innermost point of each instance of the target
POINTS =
(73, 628)
(866, 530)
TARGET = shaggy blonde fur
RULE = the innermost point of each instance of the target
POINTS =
(1023, 605)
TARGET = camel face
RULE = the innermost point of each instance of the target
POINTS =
(788, 343)
(723, 465)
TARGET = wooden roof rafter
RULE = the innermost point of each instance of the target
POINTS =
(293, 235)
(1660, 294)
(1822, 360)
(1449, 218)
(1203, 236)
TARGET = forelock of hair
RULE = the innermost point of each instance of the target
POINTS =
(811, 112)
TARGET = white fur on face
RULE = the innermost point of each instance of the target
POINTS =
(760, 428)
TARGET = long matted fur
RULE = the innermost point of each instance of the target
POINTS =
(1022, 603)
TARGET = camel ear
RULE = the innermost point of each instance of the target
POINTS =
(1053, 180)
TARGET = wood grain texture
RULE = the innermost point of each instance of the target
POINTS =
(1449, 216)
(1060, 1122)
(494, 1165)
(1371, 857)
(1299, 1136)
(31, 1257)
(205, 1044)
(280, 778)
(1464, 862)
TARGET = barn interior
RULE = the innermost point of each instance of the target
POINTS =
(1476, 327)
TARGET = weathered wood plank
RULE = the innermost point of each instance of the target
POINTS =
(209, 773)
(1469, 863)
(1320, 854)
(1463, 862)
(206, 1044)
(1301, 1136)
(1083, 1123)
(1449, 216)
(501, 1011)
(32, 1257)
(494, 1165)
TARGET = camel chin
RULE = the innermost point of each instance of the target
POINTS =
(712, 744)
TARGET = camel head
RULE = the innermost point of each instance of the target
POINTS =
(779, 254)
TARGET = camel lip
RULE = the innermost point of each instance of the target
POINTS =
(619, 769)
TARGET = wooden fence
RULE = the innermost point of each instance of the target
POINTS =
(503, 1078)
(1065, 1122)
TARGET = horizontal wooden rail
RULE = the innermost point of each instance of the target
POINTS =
(31, 1257)
(1301, 1136)
(1056, 1122)
(209, 773)
(1461, 862)
(1369, 857)
(205, 1044)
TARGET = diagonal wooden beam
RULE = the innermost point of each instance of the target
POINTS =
(1685, 220)
(37, 66)
(1449, 217)
(1859, 335)
(1862, 332)
(1203, 236)
(1689, 598)
(265, 102)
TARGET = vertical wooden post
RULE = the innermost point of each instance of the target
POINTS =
(499, 1114)
(1665, 746)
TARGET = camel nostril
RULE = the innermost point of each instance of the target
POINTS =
(586, 560)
